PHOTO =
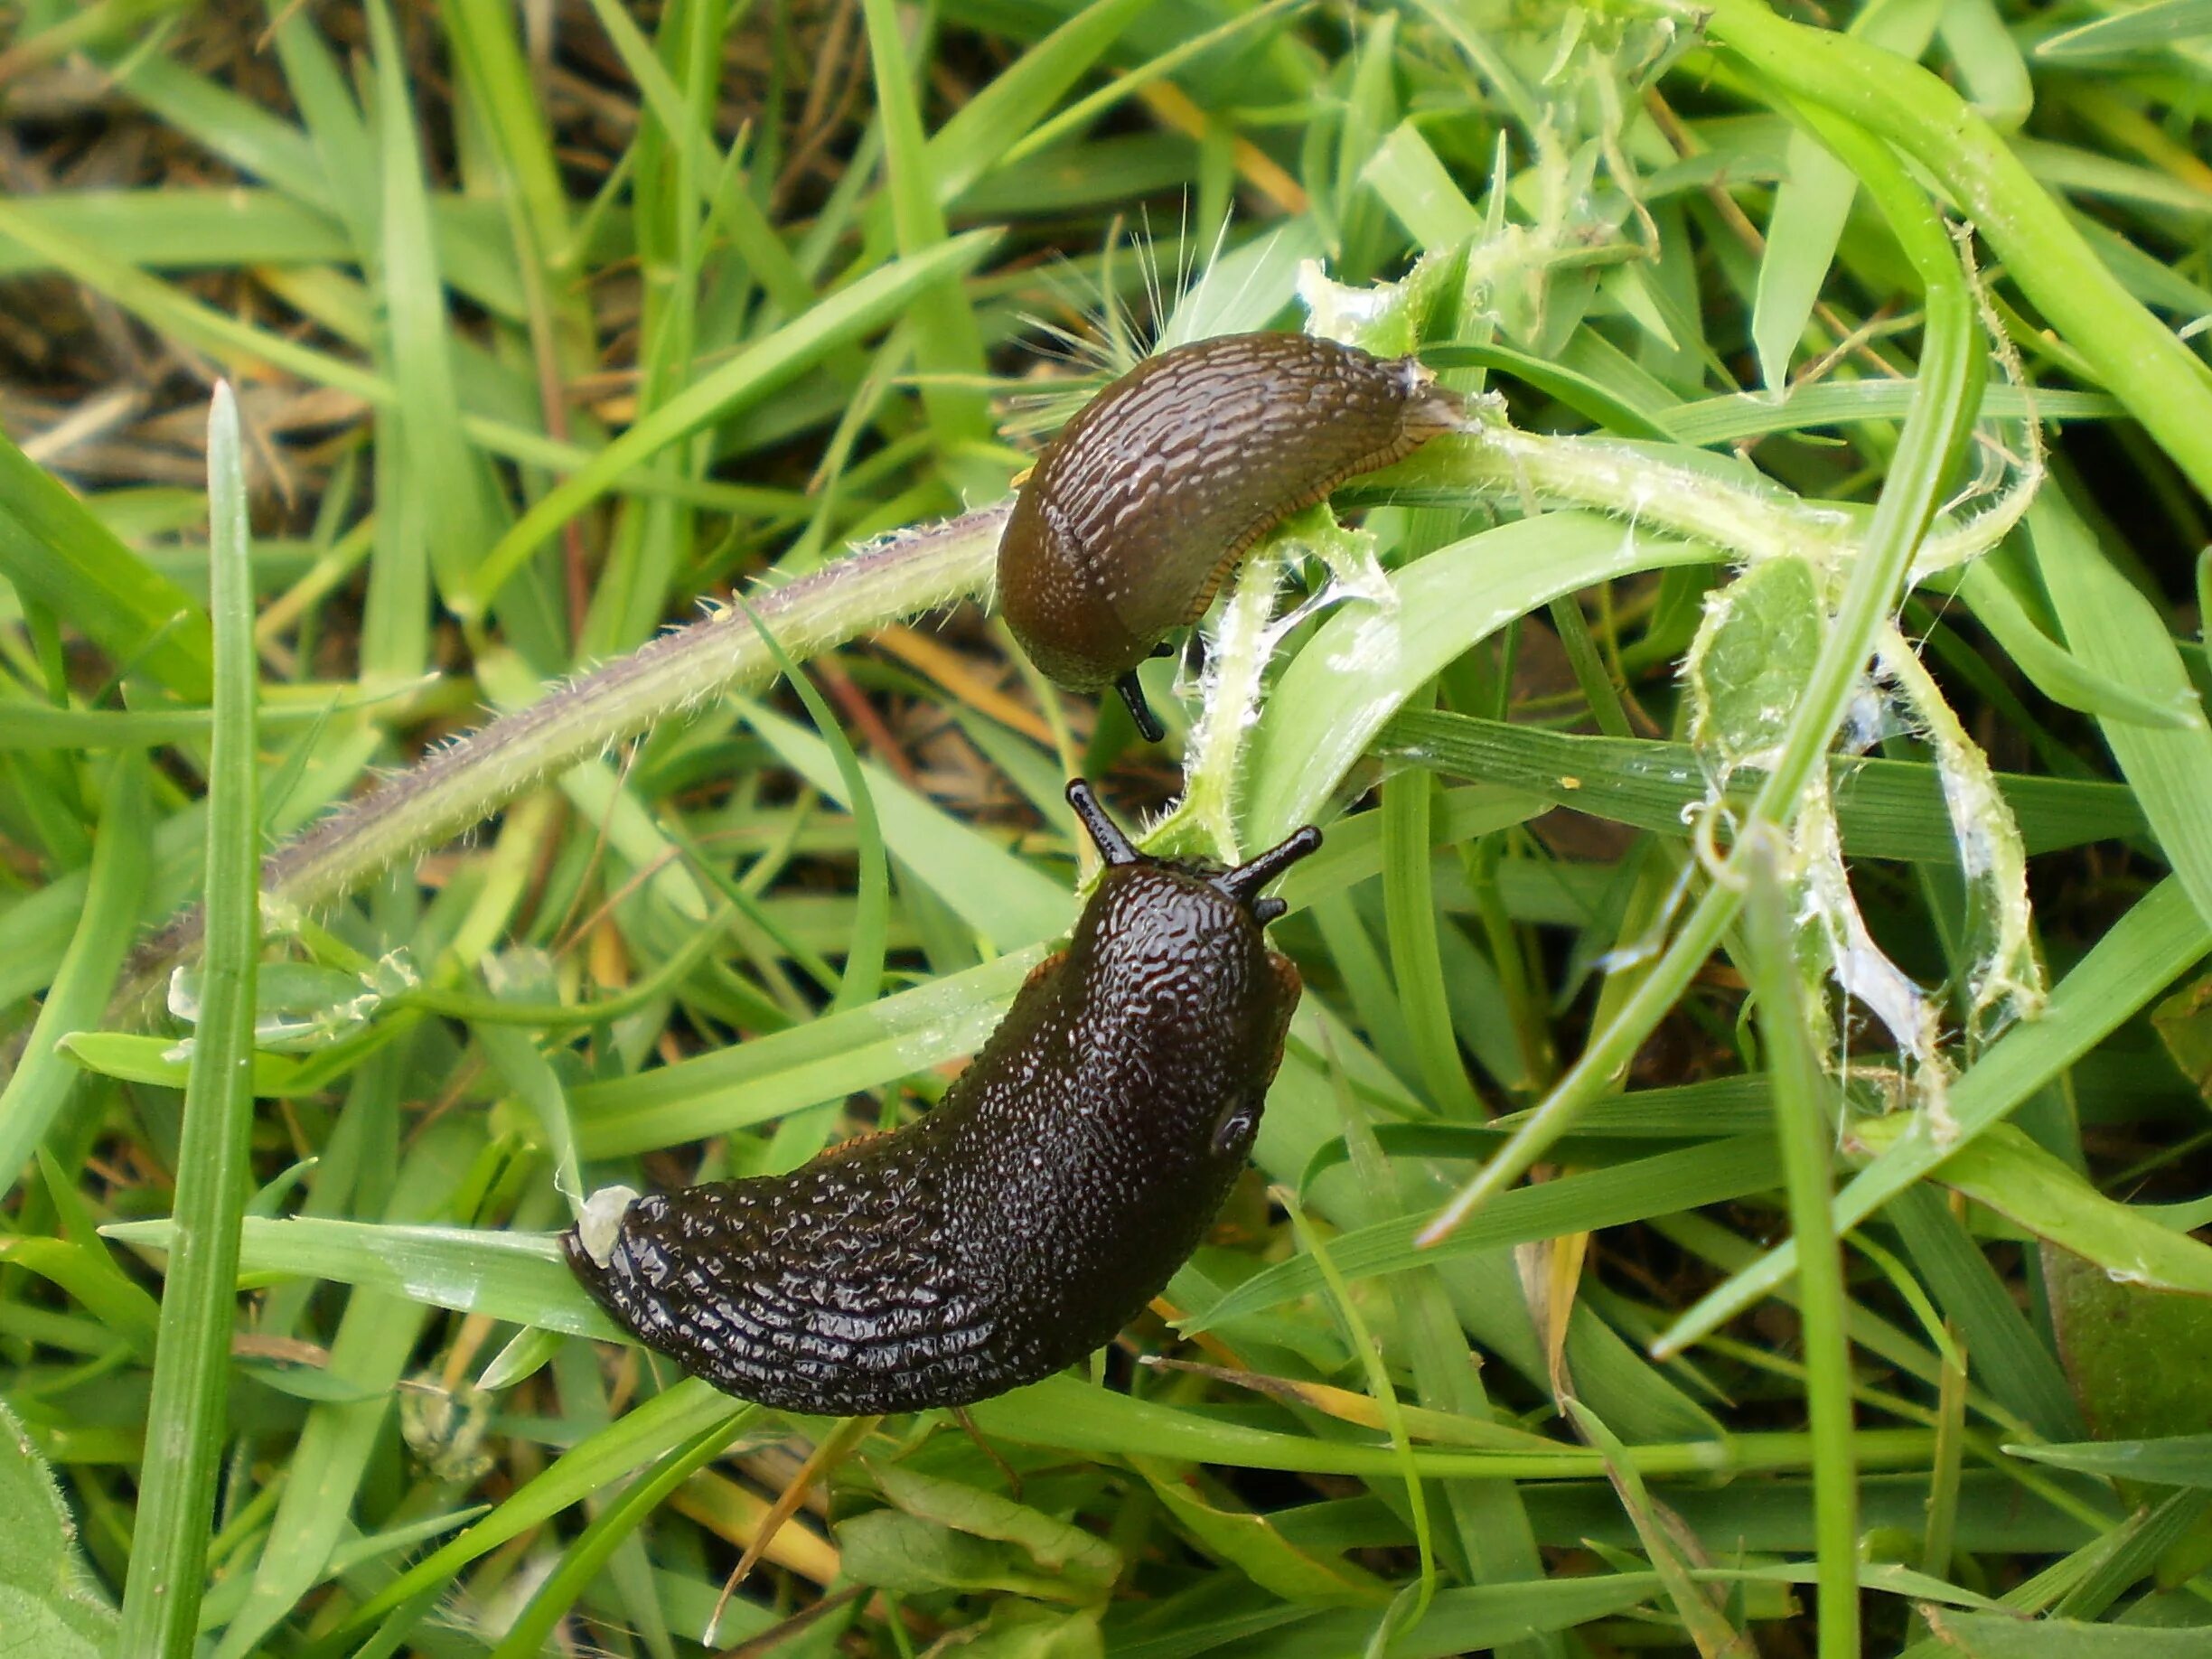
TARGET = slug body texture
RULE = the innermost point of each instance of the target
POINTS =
(1066, 1175)
(1146, 500)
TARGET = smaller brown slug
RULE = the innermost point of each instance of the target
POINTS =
(1050, 1196)
(1146, 500)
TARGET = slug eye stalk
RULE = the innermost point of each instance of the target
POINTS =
(1105, 834)
(1243, 883)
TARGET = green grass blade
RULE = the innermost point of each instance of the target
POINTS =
(948, 346)
(122, 856)
(1805, 1124)
(1887, 809)
(52, 549)
(1410, 927)
(2063, 677)
(1943, 407)
(2115, 632)
(608, 1531)
(1580, 1202)
(185, 1423)
(440, 463)
(756, 373)
(686, 1412)
(1365, 662)
(2138, 358)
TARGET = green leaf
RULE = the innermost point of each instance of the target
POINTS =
(1581, 1202)
(1886, 809)
(1813, 203)
(1362, 664)
(452, 505)
(689, 1415)
(1024, 1630)
(2004, 1169)
(115, 890)
(2155, 374)
(1056, 1546)
(2184, 1025)
(2116, 631)
(1250, 1544)
(94, 1280)
(754, 374)
(152, 1060)
(2159, 938)
(914, 1557)
(1579, 392)
(2178, 1460)
(1833, 403)
(1694, 1603)
(1993, 1635)
(512, 1276)
(1762, 634)
(187, 1420)
(1002, 899)
(2159, 25)
(47, 1607)
(2137, 1358)
(2056, 672)
(53, 550)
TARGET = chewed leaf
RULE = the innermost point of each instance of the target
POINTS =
(2004, 979)
(1383, 317)
(301, 1005)
(1748, 668)
(1746, 674)
(1834, 930)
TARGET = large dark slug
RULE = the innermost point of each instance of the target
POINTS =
(1064, 1176)
(1145, 500)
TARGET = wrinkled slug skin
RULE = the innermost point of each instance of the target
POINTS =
(1066, 1175)
(1145, 500)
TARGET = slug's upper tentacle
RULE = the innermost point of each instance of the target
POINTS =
(1105, 834)
(1243, 883)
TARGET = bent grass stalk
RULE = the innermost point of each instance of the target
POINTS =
(185, 1418)
(1877, 575)
(2141, 361)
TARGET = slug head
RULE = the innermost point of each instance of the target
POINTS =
(1175, 952)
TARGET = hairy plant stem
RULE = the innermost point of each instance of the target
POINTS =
(1502, 463)
(922, 569)
(915, 571)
